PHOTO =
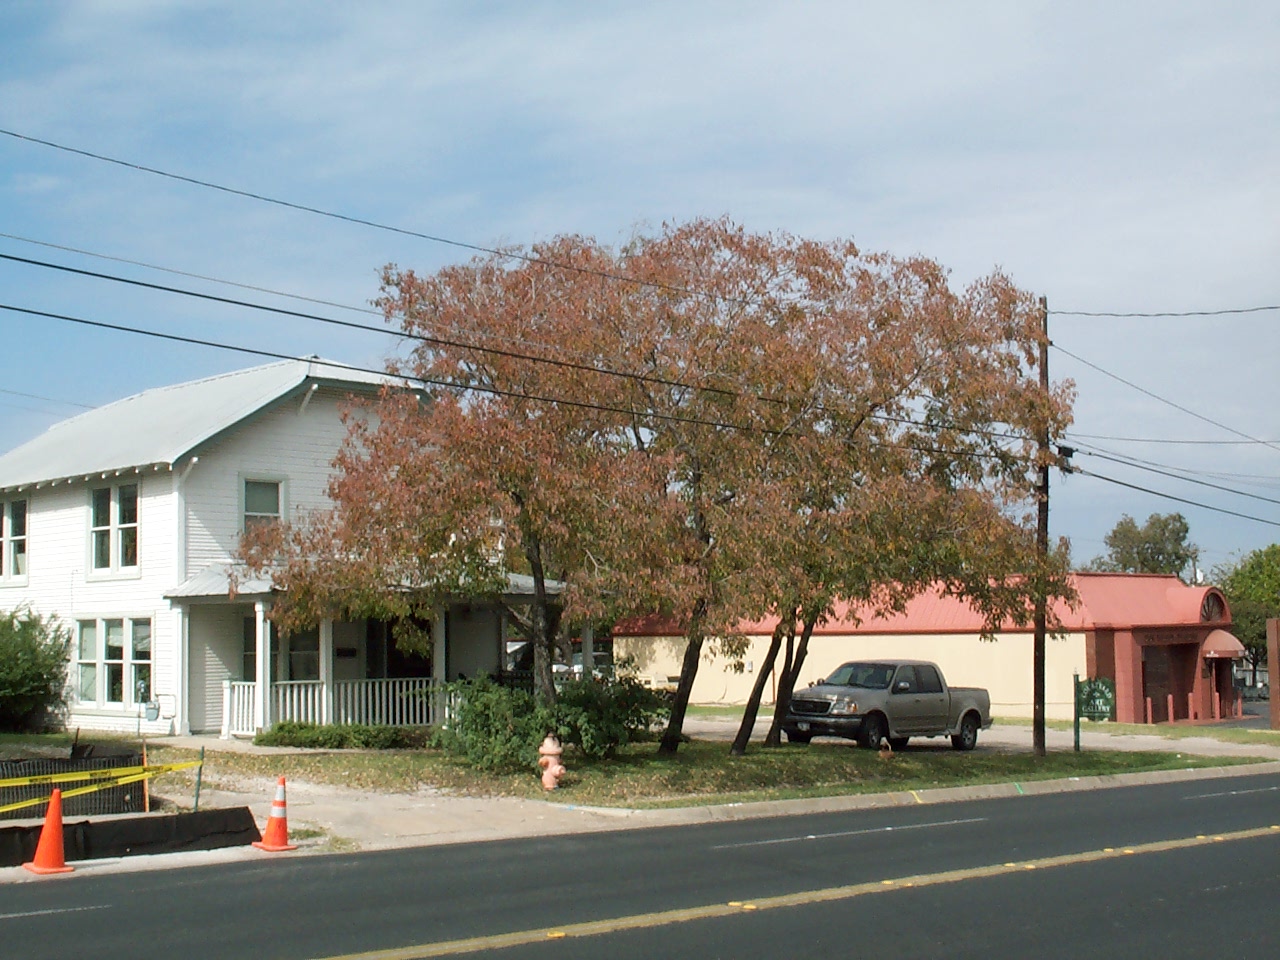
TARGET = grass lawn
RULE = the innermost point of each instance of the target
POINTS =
(701, 772)
(730, 711)
(1169, 731)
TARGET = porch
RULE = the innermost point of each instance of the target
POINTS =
(400, 701)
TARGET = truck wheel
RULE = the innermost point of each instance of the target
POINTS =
(967, 738)
(798, 737)
(898, 742)
(872, 731)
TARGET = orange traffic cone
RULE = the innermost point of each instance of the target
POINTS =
(276, 837)
(49, 855)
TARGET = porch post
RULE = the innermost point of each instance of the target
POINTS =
(181, 624)
(588, 652)
(326, 671)
(439, 649)
(262, 651)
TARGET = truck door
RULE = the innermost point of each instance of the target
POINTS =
(904, 702)
(935, 702)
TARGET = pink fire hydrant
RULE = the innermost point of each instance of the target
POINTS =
(549, 760)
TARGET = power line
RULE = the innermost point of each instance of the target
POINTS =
(1169, 496)
(512, 254)
(1252, 479)
(404, 231)
(463, 345)
(494, 391)
(1175, 476)
(1183, 313)
(1156, 396)
(1169, 440)
(351, 325)
(190, 275)
(36, 396)
(496, 338)
(256, 351)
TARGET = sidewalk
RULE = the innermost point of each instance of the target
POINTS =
(325, 818)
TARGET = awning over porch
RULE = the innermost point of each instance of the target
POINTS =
(1222, 645)
(214, 582)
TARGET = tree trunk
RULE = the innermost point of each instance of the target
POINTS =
(542, 632)
(749, 715)
(787, 683)
(672, 736)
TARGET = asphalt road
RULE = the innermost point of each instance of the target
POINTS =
(1170, 870)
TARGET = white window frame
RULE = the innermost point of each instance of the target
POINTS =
(281, 485)
(10, 541)
(115, 532)
(96, 665)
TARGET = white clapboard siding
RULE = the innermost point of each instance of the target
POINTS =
(285, 442)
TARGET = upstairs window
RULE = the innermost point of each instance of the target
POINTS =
(261, 502)
(13, 540)
(113, 527)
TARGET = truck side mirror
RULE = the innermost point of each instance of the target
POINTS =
(902, 686)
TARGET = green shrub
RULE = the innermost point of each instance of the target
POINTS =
(495, 728)
(500, 728)
(599, 716)
(343, 736)
(33, 670)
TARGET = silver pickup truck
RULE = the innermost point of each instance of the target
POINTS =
(890, 700)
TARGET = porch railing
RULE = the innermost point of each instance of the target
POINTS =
(298, 700)
(401, 702)
(237, 709)
(416, 701)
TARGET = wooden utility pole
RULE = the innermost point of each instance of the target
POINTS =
(1042, 547)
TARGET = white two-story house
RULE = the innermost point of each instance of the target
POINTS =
(123, 522)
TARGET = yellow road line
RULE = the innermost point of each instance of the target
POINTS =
(594, 928)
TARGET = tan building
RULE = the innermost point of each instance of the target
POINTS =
(1165, 645)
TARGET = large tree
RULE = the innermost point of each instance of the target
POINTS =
(708, 424)
(829, 399)
(480, 465)
(1252, 588)
(1158, 546)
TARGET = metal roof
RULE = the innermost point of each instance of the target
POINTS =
(156, 428)
(214, 582)
(1117, 601)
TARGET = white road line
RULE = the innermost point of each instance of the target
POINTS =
(45, 913)
(847, 833)
(1232, 793)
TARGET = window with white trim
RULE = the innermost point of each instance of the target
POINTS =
(13, 540)
(113, 661)
(261, 502)
(113, 528)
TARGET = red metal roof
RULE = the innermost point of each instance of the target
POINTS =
(1221, 644)
(1107, 601)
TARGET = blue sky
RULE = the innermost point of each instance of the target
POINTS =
(1112, 157)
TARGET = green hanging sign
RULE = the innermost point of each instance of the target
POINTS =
(1096, 699)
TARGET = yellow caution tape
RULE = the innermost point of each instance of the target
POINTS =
(104, 780)
(107, 773)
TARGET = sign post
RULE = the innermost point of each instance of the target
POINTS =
(1075, 688)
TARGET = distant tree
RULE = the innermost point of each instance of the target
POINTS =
(1252, 588)
(1158, 546)
(33, 669)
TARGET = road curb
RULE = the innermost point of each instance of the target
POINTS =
(759, 809)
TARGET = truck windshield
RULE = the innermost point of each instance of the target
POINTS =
(873, 676)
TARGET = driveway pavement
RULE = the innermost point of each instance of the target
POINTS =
(325, 818)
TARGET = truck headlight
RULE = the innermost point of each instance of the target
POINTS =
(843, 707)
